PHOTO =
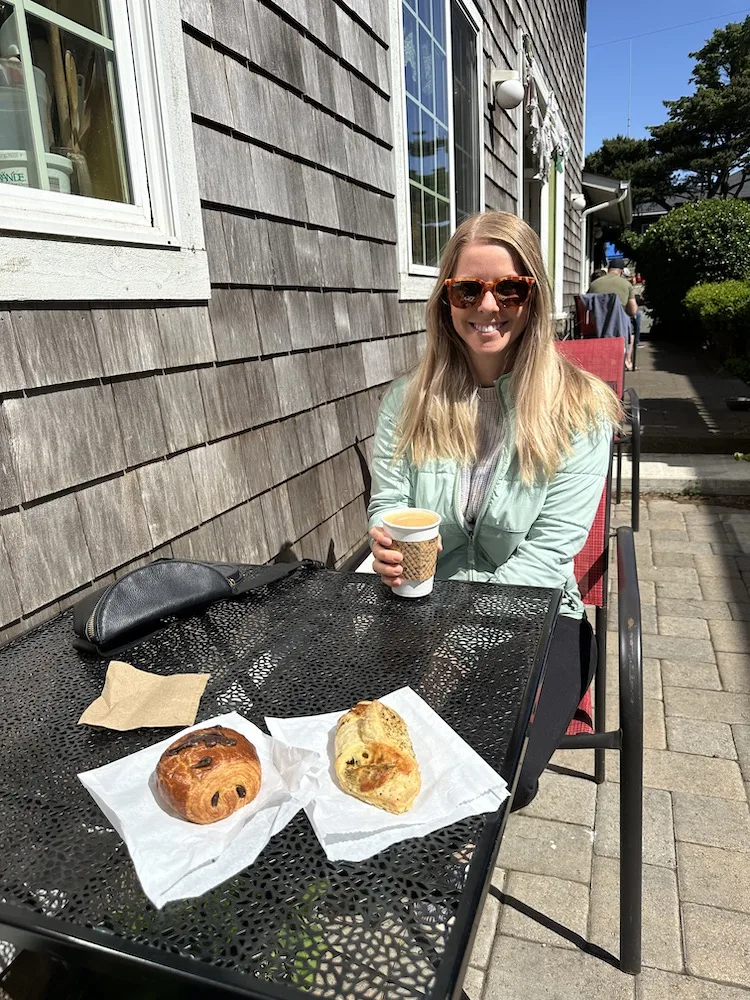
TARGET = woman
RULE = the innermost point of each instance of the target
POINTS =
(508, 442)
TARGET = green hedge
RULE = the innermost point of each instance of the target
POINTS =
(721, 311)
(706, 241)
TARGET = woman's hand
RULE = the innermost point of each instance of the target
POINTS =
(388, 561)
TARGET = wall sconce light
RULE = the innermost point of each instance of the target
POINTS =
(578, 201)
(506, 88)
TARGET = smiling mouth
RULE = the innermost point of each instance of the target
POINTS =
(489, 328)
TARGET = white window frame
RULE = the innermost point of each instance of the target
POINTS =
(544, 210)
(559, 248)
(560, 243)
(416, 281)
(151, 249)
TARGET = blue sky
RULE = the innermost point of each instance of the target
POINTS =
(661, 66)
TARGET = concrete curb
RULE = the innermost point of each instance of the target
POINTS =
(711, 475)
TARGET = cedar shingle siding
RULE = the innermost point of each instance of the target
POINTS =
(224, 430)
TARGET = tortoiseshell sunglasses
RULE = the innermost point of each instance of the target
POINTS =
(510, 292)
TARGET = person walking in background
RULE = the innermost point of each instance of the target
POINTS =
(614, 281)
(634, 281)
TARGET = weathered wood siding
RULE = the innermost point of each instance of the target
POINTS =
(226, 429)
(231, 428)
(556, 30)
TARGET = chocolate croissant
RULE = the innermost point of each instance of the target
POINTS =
(375, 761)
(208, 774)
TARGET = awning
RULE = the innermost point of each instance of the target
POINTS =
(601, 191)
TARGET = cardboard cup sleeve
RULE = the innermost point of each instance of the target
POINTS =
(420, 558)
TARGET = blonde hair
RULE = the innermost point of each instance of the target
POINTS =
(553, 398)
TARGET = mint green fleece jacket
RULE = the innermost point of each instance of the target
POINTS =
(523, 535)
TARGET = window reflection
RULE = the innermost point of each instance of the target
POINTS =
(85, 12)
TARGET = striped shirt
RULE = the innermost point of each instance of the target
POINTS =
(475, 479)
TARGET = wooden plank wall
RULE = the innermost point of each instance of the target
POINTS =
(233, 428)
(230, 429)
(556, 29)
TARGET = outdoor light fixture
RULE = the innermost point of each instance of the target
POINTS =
(506, 88)
(578, 201)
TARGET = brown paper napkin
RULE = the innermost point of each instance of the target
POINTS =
(133, 698)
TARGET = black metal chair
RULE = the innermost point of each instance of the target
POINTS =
(592, 574)
(628, 738)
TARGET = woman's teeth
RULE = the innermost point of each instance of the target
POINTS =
(487, 329)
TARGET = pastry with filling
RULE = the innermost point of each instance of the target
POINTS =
(207, 775)
(375, 761)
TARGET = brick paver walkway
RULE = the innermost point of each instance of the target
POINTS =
(558, 868)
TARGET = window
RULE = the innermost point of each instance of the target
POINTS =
(94, 118)
(60, 122)
(439, 121)
(467, 152)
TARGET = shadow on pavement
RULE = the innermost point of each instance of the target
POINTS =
(557, 928)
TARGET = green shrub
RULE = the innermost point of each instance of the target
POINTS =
(706, 241)
(738, 368)
(721, 311)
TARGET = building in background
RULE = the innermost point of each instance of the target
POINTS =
(220, 222)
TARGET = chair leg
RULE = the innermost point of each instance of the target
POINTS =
(635, 485)
(618, 483)
(631, 858)
(600, 689)
(631, 840)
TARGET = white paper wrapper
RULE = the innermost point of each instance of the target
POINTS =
(456, 782)
(175, 859)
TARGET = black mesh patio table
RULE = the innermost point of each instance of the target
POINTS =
(398, 925)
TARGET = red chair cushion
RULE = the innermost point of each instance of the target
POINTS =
(602, 357)
(583, 720)
(588, 565)
(606, 359)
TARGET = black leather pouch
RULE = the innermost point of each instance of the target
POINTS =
(116, 617)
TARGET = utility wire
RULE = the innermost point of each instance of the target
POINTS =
(658, 31)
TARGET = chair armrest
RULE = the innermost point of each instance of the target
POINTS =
(634, 411)
(356, 558)
(632, 408)
(631, 654)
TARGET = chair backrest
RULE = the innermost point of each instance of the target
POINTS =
(607, 314)
(606, 359)
(585, 319)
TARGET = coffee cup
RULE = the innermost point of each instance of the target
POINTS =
(416, 534)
